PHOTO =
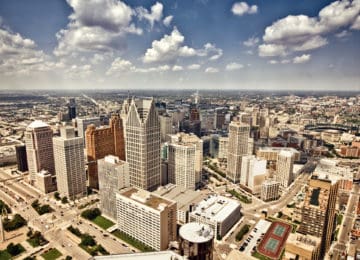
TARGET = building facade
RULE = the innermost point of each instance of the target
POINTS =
(270, 190)
(284, 168)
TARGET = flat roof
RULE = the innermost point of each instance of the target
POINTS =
(162, 255)
(306, 242)
(146, 198)
(216, 208)
(196, 232)
(38, 124)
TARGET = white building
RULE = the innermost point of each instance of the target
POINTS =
(270, 190)
(147, 217)
(113, 176)
(70, 164)
(253, 172)
(223, 147)
(165, 127)
(284, 168)
(219, 212)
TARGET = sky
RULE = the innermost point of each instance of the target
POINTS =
(180, 44)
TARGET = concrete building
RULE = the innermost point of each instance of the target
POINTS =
(219, 212)
(196, 241)
(253, 173)
(271, 153)
(101, 142)
(302, 247)
(21, 158)
(83, 123)
(165, 127)
(237, 148)
(70, 164)
(223, 147)
(113, 176)
(143, 144)
(318, 211)
(185, 160)
(39, 149)
(270, 190)
(284, 168)
(146, 217)
(45, 181)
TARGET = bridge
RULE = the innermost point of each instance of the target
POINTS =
(340, 127)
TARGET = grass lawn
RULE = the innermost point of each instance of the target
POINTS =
(4, 255)
(52, 254)
(135, 243)
(102, 222)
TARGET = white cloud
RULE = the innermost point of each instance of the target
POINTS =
(97, 58)
(273, 62)
(356, 24)
(120, 65)
(242, 8)
(301, 33)
(78, 71)
(153, 16)
(342, 34)
(270, 50)
(252, 41)
(167, 20)
(286, 61)
(177, 68)
(211, 70)
(170, 47)
(194, 67)
(233, 66)
(96, 26)
(302, 59)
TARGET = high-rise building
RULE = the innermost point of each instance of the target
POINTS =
(113, 176)
(270, 190)
(21, 158)
(165, 127)
(253, 172)
(185, 160)
(101, 142)
(194, 114)
(83, 123)
(146, 217)
(143, 144)
(237, 148)
(318, 212)
(39, 149)
(223, 147)
(284, 168)
(72, 109)
(70, 164)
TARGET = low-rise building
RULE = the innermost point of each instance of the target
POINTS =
(302, 247)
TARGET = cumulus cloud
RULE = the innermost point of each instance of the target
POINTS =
(78, 71)
(301, 33)
(342, 34)
(153, 16)
(301, 59)
(96, 26)
(233, 66)
(241, 8)
(211, 70)
(171, 47)
(194, 67)
(356, 24)
(252, 41)
(120, 65)
(273, 62)
(167, 20)
(177, 68)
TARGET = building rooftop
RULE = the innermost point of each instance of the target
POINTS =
(216, 208)
(37, 124)
(162, 255)
(146, 198)
(306, 242)
(196, 232)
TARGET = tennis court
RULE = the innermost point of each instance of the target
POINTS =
(272, 245)
(279, 230)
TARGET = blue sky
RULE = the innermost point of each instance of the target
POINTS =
(174, 44)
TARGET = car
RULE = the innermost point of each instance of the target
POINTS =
(242, 248)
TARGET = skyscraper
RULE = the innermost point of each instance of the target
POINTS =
(72, 109)
(253, 171)
(101, 142)
(237, 147)
(165, 127)
(284, 168)
(143, 144)
(83, 123)
(70, 164)
(113, 176)
(318, 211)
(39, 149)
(21, 158)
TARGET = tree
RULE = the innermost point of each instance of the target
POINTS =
(17, 222)
(57, 196)
(87, 240)
(64, 200)
(4, 205)
(13, 249)
(68, 257)
(91, 213)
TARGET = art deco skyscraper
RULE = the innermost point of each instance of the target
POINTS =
(39, 149)
(237, 148)
(70, 164)
(101, 142)
(143, 144)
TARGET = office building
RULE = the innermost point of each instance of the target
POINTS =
(45, 181)
(223, 147)
(21, 158)
(146, 217)
(185, 160)
(72, 109)
(165, 127)
(113, 176)
(143, 144)
(284, 168)
(237, 148)
(219, 212)
(271, 153)
(83, 123)
(39, 149)
(270, 190)
(302, 247)
(70, 164)
(253, 173)
(318, 212)
(196, 241)
(103, 141)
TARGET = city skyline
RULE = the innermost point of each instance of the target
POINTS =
(203, 44)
